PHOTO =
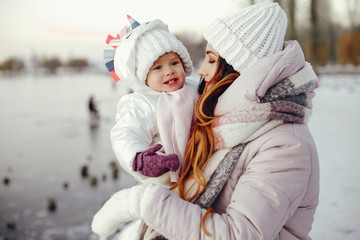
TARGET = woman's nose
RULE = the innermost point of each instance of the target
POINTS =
(201, 70)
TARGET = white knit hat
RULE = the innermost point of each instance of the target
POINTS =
(248, 35)
(141, 47)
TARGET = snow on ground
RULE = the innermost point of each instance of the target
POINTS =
(336, 130)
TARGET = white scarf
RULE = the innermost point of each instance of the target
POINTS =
(174, 117)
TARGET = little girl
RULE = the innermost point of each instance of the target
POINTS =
(151, 61)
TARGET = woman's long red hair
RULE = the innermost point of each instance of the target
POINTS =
(200, 146)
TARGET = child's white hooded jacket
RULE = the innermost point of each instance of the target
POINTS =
(138, 114)
(137, 127)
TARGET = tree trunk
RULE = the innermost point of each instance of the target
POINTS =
(291, 19)
(314, 32)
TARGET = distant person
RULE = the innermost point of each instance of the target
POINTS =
(92, 106)
(153, 122)
(251, 169)
(94, 113)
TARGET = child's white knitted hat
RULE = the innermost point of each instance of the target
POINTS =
(154, 43)
(137, 51)
(248, 35)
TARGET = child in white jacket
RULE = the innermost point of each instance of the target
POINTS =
(151, 61)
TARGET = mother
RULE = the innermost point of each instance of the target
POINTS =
(251, 166)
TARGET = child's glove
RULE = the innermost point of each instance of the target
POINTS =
(150, 164)
(124, 206)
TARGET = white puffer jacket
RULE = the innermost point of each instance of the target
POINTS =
(136, 128)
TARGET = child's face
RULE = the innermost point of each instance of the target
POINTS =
(166, 74)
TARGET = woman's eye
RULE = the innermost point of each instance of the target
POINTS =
(211, 60)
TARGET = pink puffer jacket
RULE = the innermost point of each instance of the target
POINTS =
(272, 192)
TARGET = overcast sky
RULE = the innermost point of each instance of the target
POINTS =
(78, 28)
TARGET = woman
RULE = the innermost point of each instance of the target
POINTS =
(251, 166)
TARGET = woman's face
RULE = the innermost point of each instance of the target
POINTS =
(209, 66)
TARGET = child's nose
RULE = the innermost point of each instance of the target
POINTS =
(169, 71)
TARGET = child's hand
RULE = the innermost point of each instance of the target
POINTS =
(150, 164)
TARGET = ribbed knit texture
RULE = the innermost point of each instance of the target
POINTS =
(141, 47)
(155, 43)
(248, 35)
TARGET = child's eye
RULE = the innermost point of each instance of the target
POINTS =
(128, 34)
(156, 67)
(175, 63)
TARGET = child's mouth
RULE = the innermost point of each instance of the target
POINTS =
(171, 81)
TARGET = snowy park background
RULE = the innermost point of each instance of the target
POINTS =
(336, 130)
(47, 136)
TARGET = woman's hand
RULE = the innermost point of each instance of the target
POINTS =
(124, 206)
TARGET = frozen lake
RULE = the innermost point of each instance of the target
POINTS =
(45, 139)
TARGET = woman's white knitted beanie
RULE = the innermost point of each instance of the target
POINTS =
(248, 35)
(141, 47)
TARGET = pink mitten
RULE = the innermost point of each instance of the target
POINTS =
(150, 164)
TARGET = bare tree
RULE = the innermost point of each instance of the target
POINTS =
(327, 31)
(353, 11)
(12, 66)
(314, 30)
(51, 64)
(291, 20)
